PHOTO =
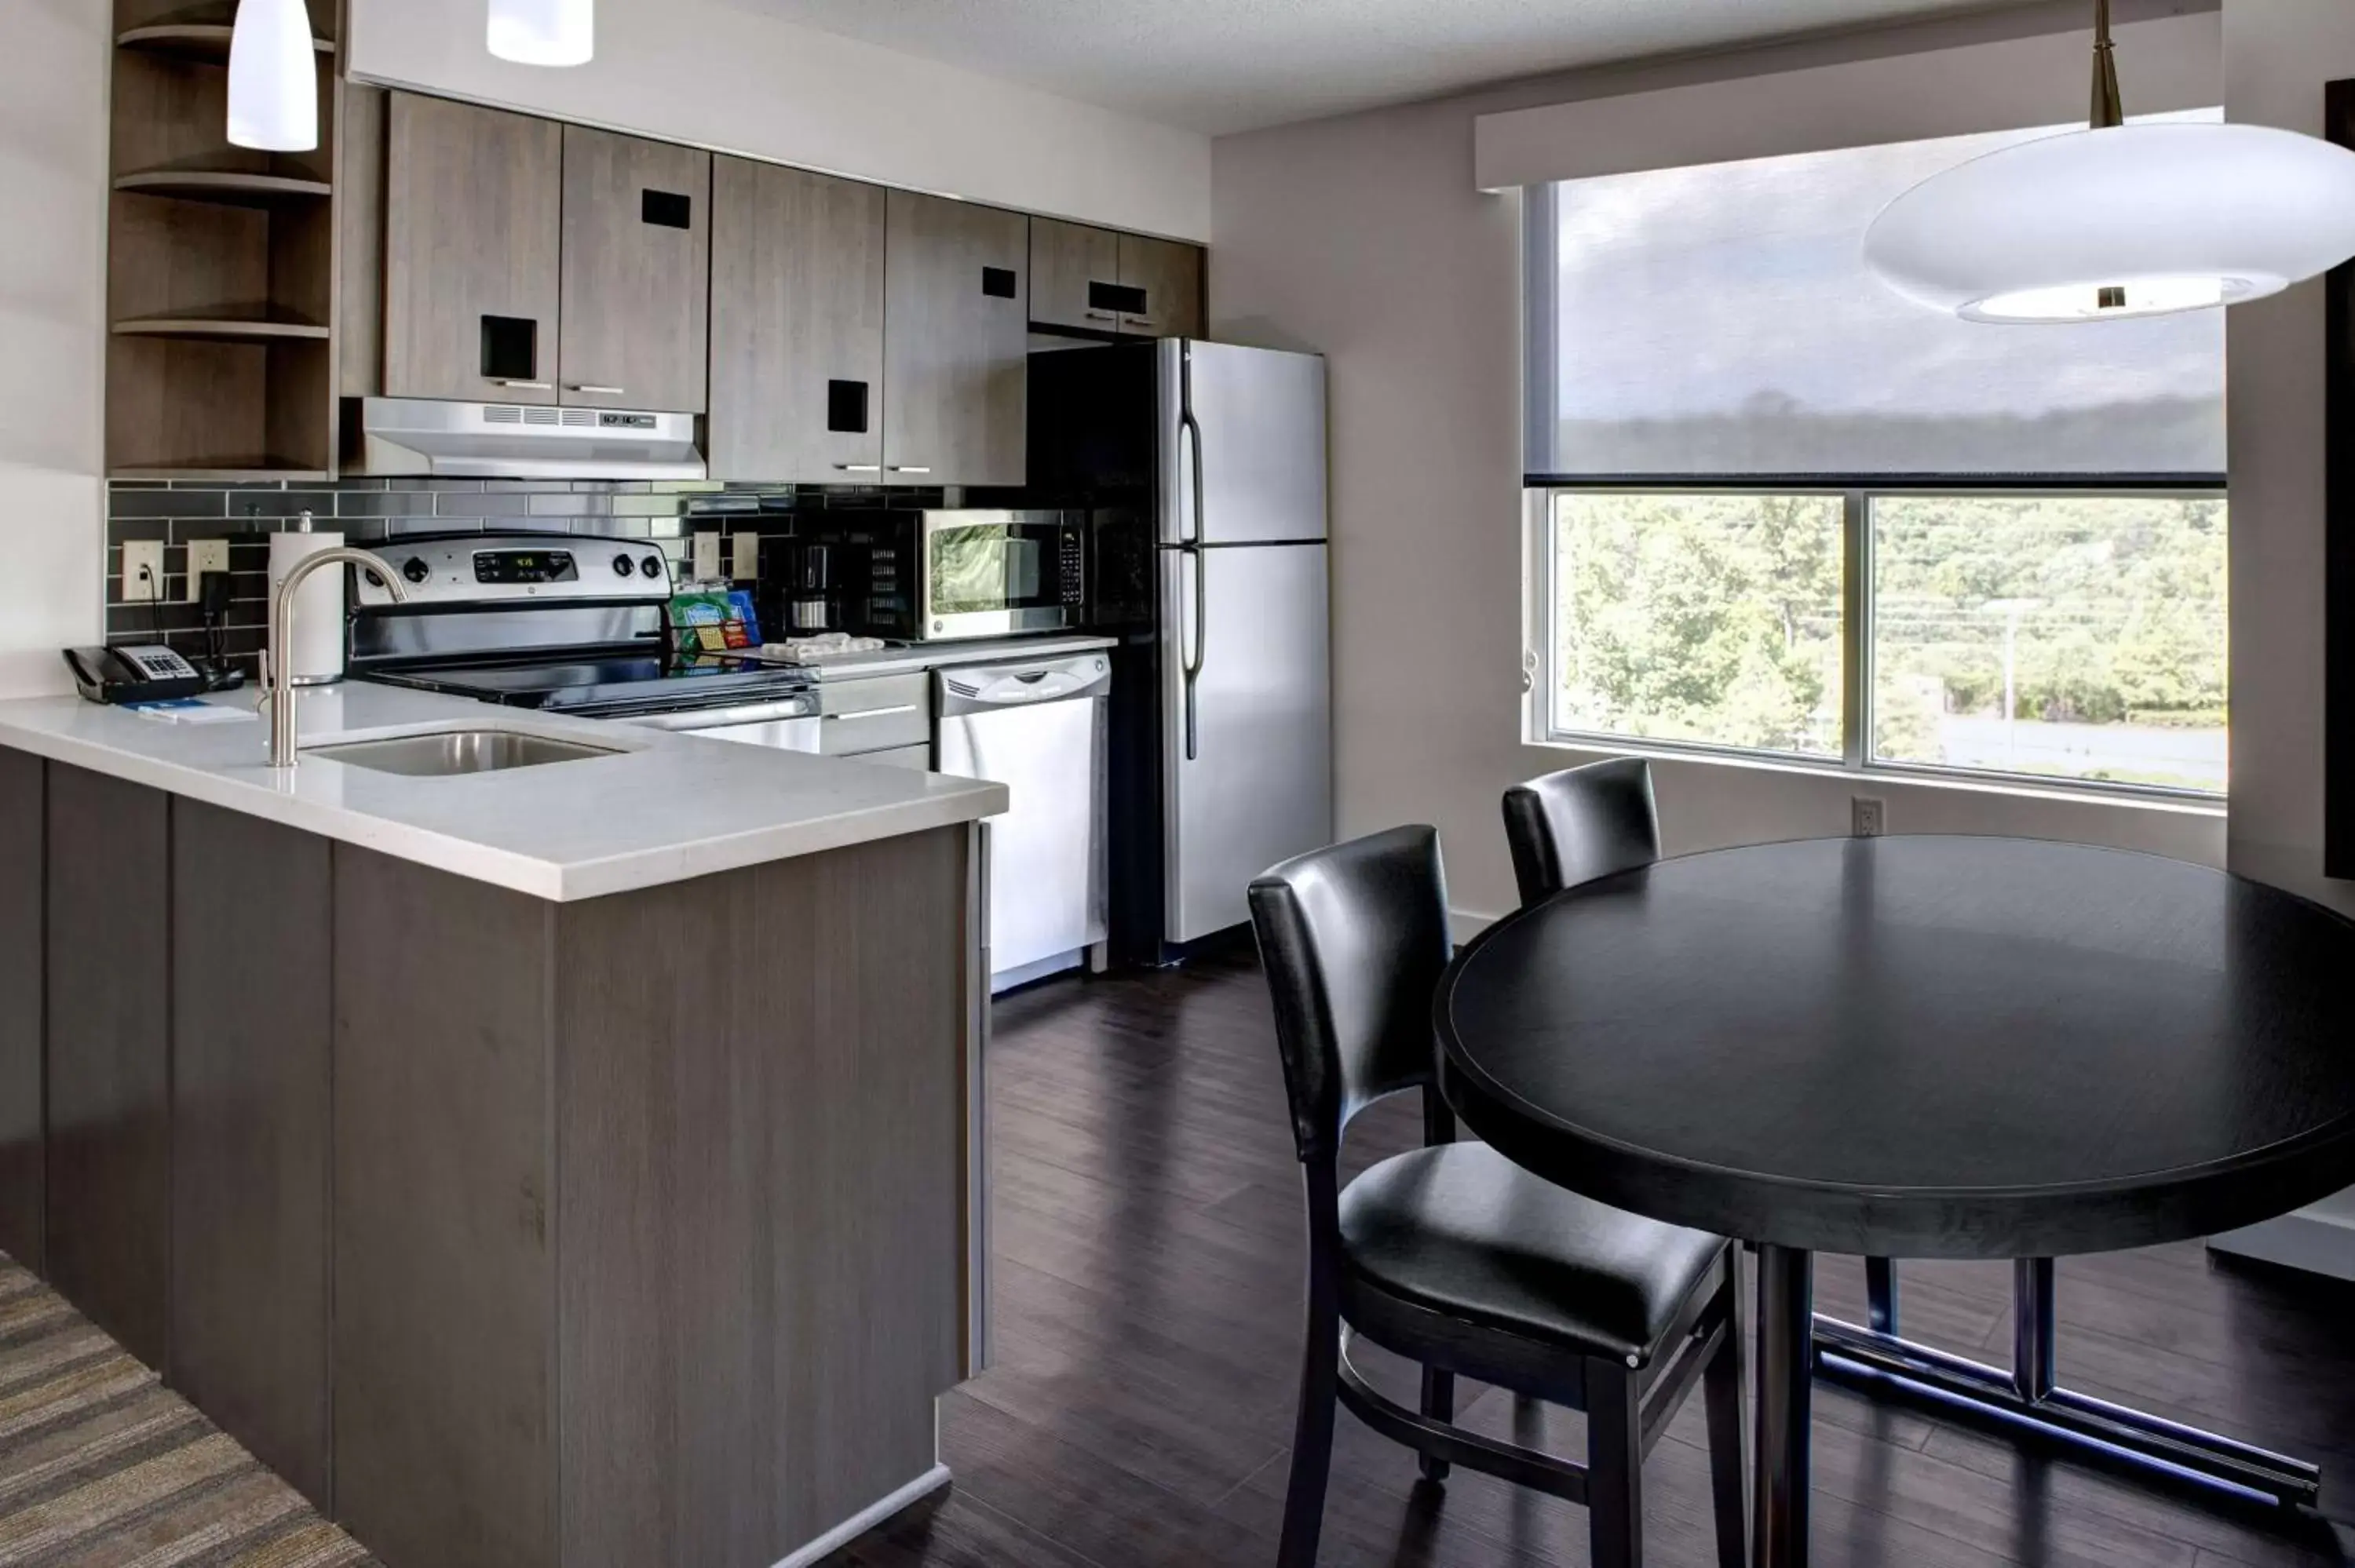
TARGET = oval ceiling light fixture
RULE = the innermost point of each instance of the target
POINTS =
(2119, 221)
(273, 78)
(544, 32)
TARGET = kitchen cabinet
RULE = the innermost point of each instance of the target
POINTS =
(956, 341)
(109, 1086)
(1068, 261)
(880, 714)
(796, 324)
(23, 856)
(1164, 280)
(636, 257)
(1098, 281)
(473, 252)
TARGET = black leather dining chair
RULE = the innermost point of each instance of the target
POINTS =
(1452, 1256)
(1583, 822)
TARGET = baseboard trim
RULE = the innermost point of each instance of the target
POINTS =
(868, 1518)
(2307, 1242)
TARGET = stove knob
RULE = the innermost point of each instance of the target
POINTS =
(653, 567)
(415, 569)
(624, 567)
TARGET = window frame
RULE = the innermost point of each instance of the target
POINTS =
(1542, 599)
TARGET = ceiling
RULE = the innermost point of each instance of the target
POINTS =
(1223, 66)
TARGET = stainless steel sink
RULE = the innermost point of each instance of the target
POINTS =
(447, 753)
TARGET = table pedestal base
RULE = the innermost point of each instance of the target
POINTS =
(2029, 1398)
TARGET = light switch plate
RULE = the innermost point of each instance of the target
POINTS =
(707, 556)
(744, 557)
(204, 555)
(142, 556)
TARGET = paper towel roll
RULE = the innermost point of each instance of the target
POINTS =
(318, 606)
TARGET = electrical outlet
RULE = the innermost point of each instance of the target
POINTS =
(204, 555)
(744, 557)
(143, 570)
(707, 556)
(1869, 817)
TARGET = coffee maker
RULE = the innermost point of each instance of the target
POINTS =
(808, 599)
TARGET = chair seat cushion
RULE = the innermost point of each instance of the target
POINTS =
(1463, 1231)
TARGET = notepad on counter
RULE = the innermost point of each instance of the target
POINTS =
(191, 710)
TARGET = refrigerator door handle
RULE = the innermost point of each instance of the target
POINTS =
(1193, 429)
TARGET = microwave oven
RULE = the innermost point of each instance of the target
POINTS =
(941, 575)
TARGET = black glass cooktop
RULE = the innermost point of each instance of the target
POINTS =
(648, 682)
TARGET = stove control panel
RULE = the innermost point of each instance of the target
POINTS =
(454, 571)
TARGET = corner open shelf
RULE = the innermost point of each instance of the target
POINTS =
(202, 41)
(222, 329)
(220, 261)
(228, 188)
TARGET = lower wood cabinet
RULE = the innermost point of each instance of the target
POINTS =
(107, 967)
(516, 1234)
(24, 1155)
(251, 929)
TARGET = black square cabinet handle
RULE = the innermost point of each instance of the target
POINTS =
(667, 209)
(845, 408)
(1001, 282)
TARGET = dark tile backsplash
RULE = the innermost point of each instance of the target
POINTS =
(377, 511)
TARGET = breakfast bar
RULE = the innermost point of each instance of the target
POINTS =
(542, 1143)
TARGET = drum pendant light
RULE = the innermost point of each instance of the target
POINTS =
(2119, 221)
(273, 78)
(544, 32)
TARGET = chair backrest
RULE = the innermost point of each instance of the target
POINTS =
(1354, 940)
(1572, 827)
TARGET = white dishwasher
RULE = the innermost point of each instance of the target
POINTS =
(1037, 727)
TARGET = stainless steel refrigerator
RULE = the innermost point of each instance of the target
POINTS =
(1202, 468)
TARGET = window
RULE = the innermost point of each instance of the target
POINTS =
(1778, 510)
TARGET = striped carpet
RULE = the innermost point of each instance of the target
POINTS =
(101, 1467)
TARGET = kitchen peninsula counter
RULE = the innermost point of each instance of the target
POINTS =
(574, 1166)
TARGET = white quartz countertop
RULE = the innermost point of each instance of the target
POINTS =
(666, 809)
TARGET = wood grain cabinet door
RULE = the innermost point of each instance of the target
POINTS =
(474, 235)
(637, 272)
(1168, 277)
(796, 325)
(956, 339)
(1070, 264)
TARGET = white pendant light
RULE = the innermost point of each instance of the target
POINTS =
(544, 32)
(2119, 221)
(273, 78)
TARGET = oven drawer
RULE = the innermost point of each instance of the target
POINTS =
(877, 714)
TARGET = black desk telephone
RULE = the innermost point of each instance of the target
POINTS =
(142, 674)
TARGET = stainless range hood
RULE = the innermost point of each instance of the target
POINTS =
(404, 435)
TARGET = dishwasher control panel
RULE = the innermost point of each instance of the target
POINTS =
(983, 686)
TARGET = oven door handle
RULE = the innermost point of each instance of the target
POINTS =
(722, 718)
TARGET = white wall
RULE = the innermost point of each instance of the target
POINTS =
(2277, 56)
(720, 76)
(1364, 238)
(52, 334)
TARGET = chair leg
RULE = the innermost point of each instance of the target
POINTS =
(1729, 1462)
(1615, 1467)
(1439, 1403)
(1312, 1441)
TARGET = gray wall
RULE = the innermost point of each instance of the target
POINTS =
(1363, 238)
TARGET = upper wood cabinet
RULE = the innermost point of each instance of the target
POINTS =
(796, 325)
(1164, 281)
(956, 334)
(474, 247)
(1099, 281)
(637, 253)
(1067, 261)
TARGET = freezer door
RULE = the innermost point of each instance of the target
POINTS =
(1251, 422)
(1257, 787)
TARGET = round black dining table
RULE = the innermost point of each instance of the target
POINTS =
(1922, 1047)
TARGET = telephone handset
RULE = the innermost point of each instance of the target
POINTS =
(148, 673)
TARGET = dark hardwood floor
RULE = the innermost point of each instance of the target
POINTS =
(1148, 1255)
